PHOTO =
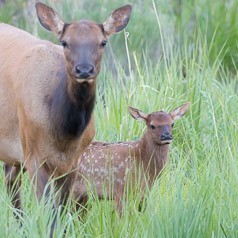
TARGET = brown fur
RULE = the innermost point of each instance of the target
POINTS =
(46, 101)
(111, 164)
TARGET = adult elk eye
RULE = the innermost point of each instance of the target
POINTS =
(172, 125)
(152, 127)
(64, 44)
(103, 43)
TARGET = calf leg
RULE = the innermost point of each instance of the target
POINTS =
(118, 198)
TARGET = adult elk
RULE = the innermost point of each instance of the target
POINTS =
(47, 94)
(112, 164)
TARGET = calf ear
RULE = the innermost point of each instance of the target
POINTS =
(137, 114)
(49, 19)
(118, 20)
(180, 111)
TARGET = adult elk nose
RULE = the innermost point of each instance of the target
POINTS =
(166, 136)
(84, 71)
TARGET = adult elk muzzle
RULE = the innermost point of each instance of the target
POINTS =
(84, 71)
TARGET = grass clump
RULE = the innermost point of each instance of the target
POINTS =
(196, 196)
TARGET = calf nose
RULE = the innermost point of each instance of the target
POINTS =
(84, 71)
(166, 136)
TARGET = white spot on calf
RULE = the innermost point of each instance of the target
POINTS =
(127, 159)
(119, 181)
(121, 165)
(116, 170)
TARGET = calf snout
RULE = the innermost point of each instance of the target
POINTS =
(84, 71)
(166, 136)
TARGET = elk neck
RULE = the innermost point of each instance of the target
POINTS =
(154, 156)
(71, 107)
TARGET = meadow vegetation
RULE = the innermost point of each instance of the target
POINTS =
(170, 53)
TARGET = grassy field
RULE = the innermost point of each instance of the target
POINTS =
(169, 54)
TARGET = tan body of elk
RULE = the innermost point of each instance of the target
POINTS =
(47, 94)
(111, 164)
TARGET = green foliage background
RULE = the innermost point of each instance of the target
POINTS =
(171, 52)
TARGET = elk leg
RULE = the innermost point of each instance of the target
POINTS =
(118, 197)
(40, 178)
(118, 204)
(13, 184)
(64, 184)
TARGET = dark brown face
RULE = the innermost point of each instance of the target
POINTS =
(83, 44)
(160, 126)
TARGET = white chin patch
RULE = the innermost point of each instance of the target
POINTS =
(84, 80)
(166, 142)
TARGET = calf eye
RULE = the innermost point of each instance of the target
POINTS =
(103, 43)
(172, 125)
(152, 127)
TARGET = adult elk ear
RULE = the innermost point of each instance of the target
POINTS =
(118, 20)
(49, 19)
(137, 114)
(180, 111)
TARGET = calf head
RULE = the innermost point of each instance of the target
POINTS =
(159, 124)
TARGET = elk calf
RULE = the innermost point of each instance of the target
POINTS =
(111, 164)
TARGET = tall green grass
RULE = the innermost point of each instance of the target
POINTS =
(215, 22)
(196, 196)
